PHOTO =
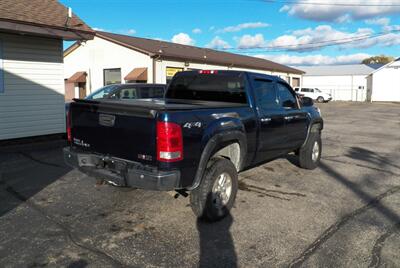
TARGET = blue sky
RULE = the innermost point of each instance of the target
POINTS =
(293, 34)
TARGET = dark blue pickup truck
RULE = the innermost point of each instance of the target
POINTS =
(210, 126)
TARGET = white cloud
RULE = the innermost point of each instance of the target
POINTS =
(312, 38)
(196, 31)
(333, 12)
(387, 40)
(183, 38)
(130, 31)
(316, 59)
(98, 29)
(218, 43)
(346, 18)
(315, 38)
(251, 41)
(243, 26)
(389, 28)
(378, 21)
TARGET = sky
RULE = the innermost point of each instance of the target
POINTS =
(292, 32)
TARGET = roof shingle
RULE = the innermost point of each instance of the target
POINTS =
(168, 50)
(45, 13)
(339, 70)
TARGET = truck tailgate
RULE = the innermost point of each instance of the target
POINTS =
(114, 131)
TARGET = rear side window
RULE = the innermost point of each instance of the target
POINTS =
(265, 93)
(151, 92)
(101, 93)
(127, 93)
(208, 87)
(286, 98)
(138, 92)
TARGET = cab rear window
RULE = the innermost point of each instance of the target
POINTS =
(221, 87)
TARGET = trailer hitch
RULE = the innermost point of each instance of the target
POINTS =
(180, 192)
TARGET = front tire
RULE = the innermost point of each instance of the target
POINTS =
(216, 194)
(310, 153)
(320, 99)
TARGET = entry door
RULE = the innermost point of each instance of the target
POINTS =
(295, 118)
(272, 135)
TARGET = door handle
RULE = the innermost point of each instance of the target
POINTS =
(288, 118)
(266, 119)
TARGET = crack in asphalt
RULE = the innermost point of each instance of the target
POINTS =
(30, 157)
(276, 191)
(380, 242)
(265, 192)
(67, 232)
(328, 233)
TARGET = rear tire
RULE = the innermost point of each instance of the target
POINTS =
(216, 194)
(310, 153)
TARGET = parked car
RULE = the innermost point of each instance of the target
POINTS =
(126, 91)
(210, 126)
(313, 93)
(129, 91)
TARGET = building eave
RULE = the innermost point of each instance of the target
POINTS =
(71, 48)
(384, 66)
(23, 28)
(206, 61)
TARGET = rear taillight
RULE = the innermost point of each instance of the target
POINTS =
(69, 135)
(169, 142)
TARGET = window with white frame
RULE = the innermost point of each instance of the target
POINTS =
(1, 68)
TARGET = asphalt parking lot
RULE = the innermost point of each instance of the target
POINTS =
(346, 213)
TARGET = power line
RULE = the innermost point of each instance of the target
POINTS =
(313, 45)
(334, 4)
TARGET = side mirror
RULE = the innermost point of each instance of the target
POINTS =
(306, 101)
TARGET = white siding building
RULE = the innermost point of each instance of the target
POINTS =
(113, 58)
(32, 92)
(31, 66)
(384, 83)
(343, 82)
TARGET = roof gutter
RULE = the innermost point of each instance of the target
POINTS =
(207, 61)
(65, 33)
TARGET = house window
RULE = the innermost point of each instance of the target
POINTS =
(112, 76)
(1, 69)
(295, 82)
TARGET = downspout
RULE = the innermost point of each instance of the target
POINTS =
(154, 67)
(89, 80)
(351, 87)
(154, 70)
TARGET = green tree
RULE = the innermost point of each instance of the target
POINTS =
(381, 59)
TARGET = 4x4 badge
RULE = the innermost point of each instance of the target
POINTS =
(192, 124)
